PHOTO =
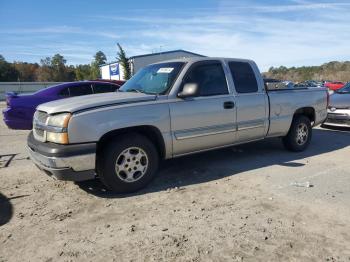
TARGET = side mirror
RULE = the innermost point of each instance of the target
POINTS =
(189, 90)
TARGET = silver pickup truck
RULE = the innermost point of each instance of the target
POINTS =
(166, 110)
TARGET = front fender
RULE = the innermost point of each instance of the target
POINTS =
(90, 126)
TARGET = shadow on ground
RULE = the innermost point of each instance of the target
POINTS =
(6, 210)
(5, 160)
(217, 164)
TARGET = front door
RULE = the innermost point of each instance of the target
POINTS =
(207, 120)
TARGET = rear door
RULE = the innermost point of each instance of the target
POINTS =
(251, 102)
(207, 120)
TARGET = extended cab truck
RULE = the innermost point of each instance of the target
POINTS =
(167, 110)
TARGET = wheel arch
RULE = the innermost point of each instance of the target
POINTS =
(149, 131)
(309, 112)
(292, 138)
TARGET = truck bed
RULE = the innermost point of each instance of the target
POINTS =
(284, 102)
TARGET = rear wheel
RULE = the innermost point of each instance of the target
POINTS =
(299, 135)
(128, 164)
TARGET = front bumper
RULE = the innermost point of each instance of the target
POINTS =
(338, 117)
(63, 162)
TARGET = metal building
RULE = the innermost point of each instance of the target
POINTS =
(137, 62)
(115, 71)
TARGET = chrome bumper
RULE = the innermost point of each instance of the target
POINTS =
(77, 163)
(75, 168)
(340, 117)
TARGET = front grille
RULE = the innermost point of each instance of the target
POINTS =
(39, 132)
(40, 119)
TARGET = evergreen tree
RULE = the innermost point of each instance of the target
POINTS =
(99, 59)
(124, 62)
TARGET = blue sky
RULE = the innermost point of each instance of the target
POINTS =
(273, 33)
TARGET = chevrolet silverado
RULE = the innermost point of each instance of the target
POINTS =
(166, 110)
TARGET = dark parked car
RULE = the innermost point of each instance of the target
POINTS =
(20, 108)
(309, 83)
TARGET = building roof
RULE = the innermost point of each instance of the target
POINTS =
(167, 52)
(159, 53)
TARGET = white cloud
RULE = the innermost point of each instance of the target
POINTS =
(61, 30)
(306, 35)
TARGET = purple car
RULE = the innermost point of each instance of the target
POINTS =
(20, 108)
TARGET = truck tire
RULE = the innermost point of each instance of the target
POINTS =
(128, 164)
(299, 135)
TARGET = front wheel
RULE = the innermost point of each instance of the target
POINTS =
(299, 135)
(128, 164)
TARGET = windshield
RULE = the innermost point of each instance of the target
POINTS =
(153, 79)
(345, 89)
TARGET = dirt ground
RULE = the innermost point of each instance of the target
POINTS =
(235, 204)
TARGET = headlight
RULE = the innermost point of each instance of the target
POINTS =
(59, 138)
(59, 120)
(57, 128)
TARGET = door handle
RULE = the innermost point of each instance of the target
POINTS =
(229, 104)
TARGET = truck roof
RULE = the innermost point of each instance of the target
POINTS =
(197, 59)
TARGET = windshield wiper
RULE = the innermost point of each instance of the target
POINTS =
(135, 90)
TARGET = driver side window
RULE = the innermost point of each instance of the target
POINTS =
(210, 78)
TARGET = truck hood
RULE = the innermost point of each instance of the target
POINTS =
(79, 103)
(340, 100)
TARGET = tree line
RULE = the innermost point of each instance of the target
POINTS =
(55, 69)
(332, 71)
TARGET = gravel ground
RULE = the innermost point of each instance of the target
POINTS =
(235, 204)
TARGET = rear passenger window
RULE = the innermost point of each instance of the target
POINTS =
(243, 77)
(64, 92)
(80, 90)
(210, 78)
(104, 88)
